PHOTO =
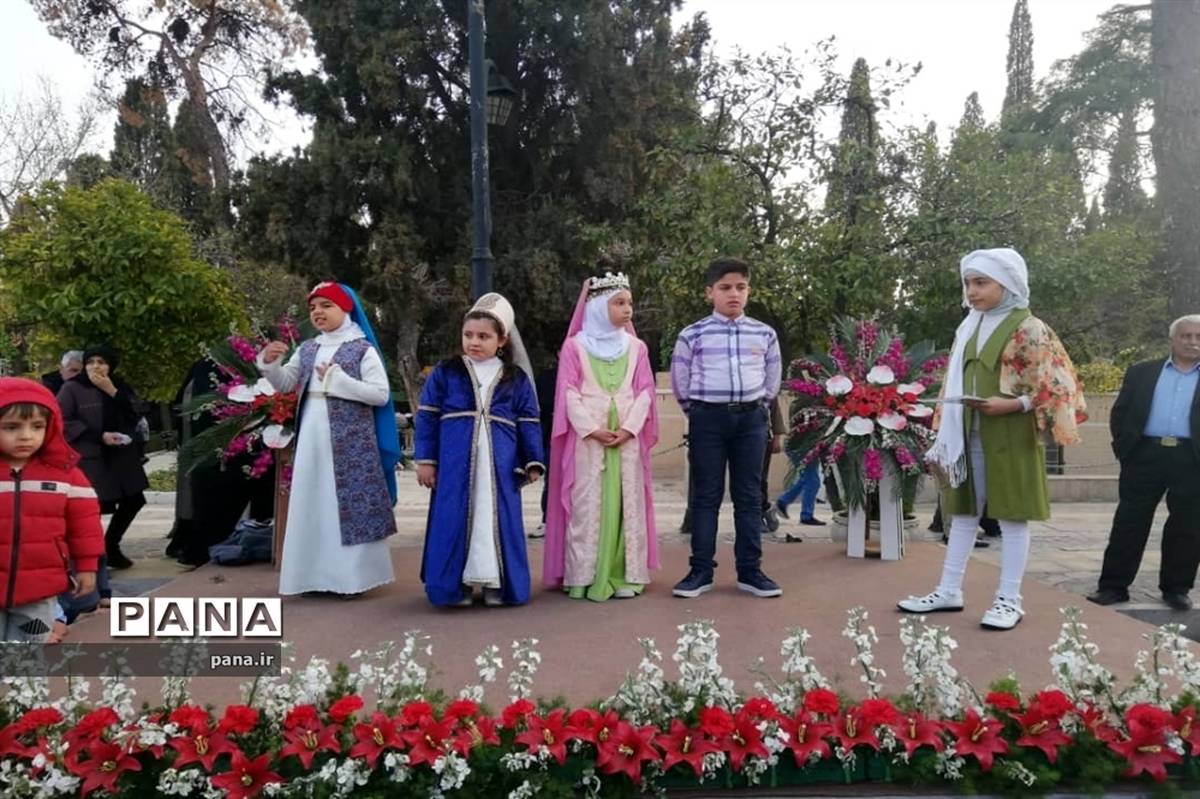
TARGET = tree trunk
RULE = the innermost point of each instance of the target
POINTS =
(408, 334)
(1176, 138)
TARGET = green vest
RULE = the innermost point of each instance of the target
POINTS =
(1013, 453)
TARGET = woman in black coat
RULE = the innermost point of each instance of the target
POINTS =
(100, 414)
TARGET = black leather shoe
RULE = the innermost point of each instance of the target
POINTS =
(1108, 596)
(117, 559)
(813, 521)
(1177, 600)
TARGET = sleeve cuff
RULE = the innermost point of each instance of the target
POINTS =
(1026, 403)
(535, 465)
(86, 564)
(424, 462)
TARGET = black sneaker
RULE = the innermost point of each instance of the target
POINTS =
(813, 521)
(770, 520)
(696, 583)
(759, 584)
(117, 559)
(781, 509)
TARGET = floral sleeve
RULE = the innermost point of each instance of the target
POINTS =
(1035, 364)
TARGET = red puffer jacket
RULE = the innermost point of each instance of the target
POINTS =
(48, 511)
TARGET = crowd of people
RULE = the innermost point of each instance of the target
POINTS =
(485, 429)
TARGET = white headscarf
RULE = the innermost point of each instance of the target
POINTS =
(500, 309)
(600, 337)
(1006, 267)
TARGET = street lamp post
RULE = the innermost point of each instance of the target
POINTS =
(492, 99)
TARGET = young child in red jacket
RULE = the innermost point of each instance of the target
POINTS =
(48, 513)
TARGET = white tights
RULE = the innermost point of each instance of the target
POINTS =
(1014, 547)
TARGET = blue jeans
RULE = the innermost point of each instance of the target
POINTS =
(806, 486)
(720, 437)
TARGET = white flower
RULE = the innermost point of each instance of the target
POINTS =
(276, 436)
(839, 385)
(920, 411)
(892, 421)
(881, 375)
(911, 388)
(859, 426)
(245, 393)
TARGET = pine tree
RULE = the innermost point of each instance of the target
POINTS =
(972, 118)
(1018, 97)
(1124, 198)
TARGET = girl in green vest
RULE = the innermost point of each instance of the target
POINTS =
(1015, 382)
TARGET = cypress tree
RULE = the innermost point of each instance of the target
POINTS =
(1124, 198)
(1018, 96)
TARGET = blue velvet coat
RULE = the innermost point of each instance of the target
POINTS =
(447, 424)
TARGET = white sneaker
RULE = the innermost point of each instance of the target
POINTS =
(1002, 615)
(931, 602)
(624, 593)
(538, 532)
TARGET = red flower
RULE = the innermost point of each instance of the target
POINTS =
(684, 744)
(549, 733)
(238, 720)
(345, 707)
(978, 737)
(375, 737)
(805, 736)
(760, 707)
(716, 721)
(461, 709)
(852, 730)
(38, 718)
(305, 743)
(516, 713)
(412, 713)
(821, 700)
(105, 764)
(915, 731)
(10, 744)
(472, 732)
(91, 726)
(589, 725)
(627, 750)
(1148, 717)
(1054, 703)
(1188, 729)
(191, 718)
(246, 778)
(302, 716)
(878, 711)
(1040, 730)
(1097, 724)
(745, 740)
(1002, 700)
(432, 739)
(201, 747)
(1146, 751)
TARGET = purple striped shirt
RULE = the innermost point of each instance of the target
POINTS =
(726, 360)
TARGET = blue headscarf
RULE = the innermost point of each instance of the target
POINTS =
(386, 434)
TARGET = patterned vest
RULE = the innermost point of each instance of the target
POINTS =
(364, 505)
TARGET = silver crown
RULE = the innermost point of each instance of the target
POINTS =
(610, 282)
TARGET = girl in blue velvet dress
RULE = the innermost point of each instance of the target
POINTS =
(478, 441)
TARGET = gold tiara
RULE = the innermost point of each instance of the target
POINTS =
(610, 282)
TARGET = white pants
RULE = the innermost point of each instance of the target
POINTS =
(1014, 547)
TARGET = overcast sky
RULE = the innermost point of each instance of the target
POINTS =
(962, 44)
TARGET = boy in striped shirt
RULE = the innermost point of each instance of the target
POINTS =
(725, 371)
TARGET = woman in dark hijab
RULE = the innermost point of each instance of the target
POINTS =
(100, 414)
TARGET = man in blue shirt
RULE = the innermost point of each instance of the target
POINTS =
(1155, 425)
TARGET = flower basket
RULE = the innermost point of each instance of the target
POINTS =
(857, 409)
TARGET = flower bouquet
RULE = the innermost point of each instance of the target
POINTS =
(857, 408)
(250, 419)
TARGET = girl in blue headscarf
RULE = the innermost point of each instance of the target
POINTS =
(343, 481)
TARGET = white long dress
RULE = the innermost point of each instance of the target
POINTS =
(314, 557)
(483, 562)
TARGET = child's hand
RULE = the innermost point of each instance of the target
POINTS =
(533, 475)
(996, 406)
(85, 583)
(321, 369)
(604, 438)
(426, 475)
(274, 351)
(618, 438)
(776, 444)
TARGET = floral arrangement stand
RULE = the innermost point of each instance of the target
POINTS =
(891, 521)
(283, 471)
(857, 409)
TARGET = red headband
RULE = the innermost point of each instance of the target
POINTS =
(334, 293)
